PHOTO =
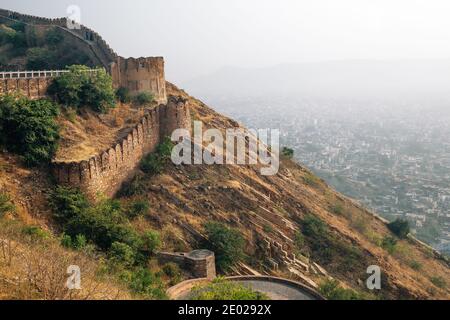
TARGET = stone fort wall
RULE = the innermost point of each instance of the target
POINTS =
(138, 75)
(31, 87)
(105, 172)
(200, 263)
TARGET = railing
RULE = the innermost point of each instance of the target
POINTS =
(37, 74)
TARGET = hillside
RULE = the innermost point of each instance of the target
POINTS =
(292, 224)
(264, 209)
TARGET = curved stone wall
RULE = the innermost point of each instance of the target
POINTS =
(102, 50)
(181, 291)
(105, 172)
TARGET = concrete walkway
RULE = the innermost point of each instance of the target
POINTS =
(277, 291)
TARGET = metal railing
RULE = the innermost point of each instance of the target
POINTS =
(37, 74)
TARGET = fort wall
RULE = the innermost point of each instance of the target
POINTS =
(140, 75)
(200, 263)
(31, 87)
(108, 170)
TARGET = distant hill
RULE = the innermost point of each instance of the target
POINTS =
(340, 79)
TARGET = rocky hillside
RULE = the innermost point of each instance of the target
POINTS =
(293, 224)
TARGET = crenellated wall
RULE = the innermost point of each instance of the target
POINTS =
(138, 75)
(105, 172)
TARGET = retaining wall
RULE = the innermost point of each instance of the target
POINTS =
(105, 172)
(200, 263)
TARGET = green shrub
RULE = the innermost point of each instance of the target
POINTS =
(400, 228)
(327, 248)
(138, 208)
(287, 152)
(226, 243)
(389, 244)
(439, 282)
(123, 95)
(80, 88)
(314, 227)
(35, 232)
(5, 204)
(134, 187)
(18, 39)
(311, 180)
(18, 26)
(415, 265)
(151, 241)
(331, 290)
(221, 289)
(154, 162)
(172, 271)
(122, 253)
(39, 59)
(79, 243)
(267, 228)
(103, 224)
(54, 37)
(144, 282)
(29, 128)
(299, 240)
(66, 241)
(143, 98)
(337, 209)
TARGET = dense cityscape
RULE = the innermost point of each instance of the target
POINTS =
(394, 157)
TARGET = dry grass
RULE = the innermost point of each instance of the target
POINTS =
(36, 268)
(86, 133)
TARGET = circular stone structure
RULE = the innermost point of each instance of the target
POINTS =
(200, 254)
(275, 288)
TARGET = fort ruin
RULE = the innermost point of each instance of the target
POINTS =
(137, 75)
(105, 172)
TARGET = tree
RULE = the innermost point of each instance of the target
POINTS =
(227, 244)
(144, 98)
(287, 152)
(39, 59)
(79, 88)
(29, 128)
(400, 228)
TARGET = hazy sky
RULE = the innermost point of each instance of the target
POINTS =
(200, 36)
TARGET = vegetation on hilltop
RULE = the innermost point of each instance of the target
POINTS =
(24, 47)
(81, 88)
(227, 244)
(107, 227)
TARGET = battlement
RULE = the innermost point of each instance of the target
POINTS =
(138, 75)
(105, 172)
(141, 74)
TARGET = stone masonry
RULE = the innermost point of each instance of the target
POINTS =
(200, 263)
(105, 172)
(137, 75)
